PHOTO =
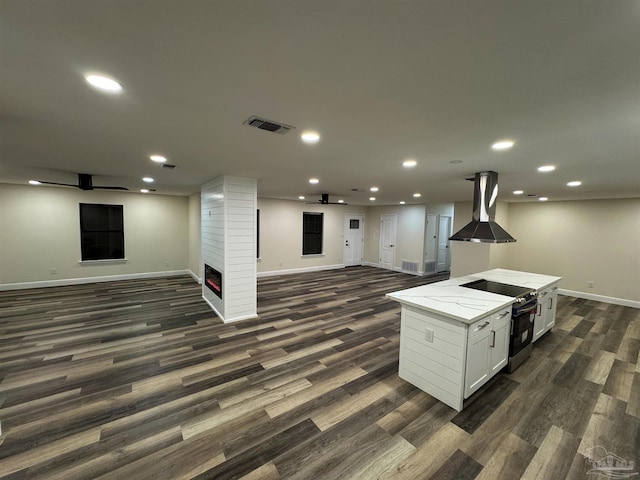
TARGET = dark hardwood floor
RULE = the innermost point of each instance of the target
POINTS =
(139, 379)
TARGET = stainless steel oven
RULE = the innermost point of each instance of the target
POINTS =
(523, 315)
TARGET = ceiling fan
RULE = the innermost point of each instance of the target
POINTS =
(324, 200)
(85, 182)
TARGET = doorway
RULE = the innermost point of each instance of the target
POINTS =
(353, 239)
(388, 227)
(443, 256)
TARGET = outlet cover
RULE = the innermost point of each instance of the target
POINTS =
(428, 335)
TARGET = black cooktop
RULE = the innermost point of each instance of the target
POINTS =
(496, 287)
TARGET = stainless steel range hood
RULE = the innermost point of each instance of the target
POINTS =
(483, 228)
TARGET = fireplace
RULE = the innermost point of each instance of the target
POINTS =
(213, 280)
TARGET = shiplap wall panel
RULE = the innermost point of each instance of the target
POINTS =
(438, 366)
(229, 242)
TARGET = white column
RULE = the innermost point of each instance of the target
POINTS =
(229, 245)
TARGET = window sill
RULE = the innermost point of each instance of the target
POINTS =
(312, 255)
(108, 261)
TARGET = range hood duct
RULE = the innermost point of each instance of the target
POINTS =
(483, 228)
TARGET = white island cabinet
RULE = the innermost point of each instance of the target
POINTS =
(454, 339)
(546, 312)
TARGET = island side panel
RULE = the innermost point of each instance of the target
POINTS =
(435, 367)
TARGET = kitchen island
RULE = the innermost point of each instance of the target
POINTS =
(453, 339)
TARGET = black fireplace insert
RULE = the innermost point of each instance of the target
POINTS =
(213, 280)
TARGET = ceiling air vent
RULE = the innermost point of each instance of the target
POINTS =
(168, 166)
(268, 125)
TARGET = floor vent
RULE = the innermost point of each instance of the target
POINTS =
(409, 266)
(268, 125)
(430, 267)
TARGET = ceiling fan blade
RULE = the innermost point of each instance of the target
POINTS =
(55, 183)
(111, 188)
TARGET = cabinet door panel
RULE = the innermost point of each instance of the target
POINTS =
(477, 371)
(499, 344)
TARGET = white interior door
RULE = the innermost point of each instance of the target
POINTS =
(388, 226)
(443, 261)
(431, 243)
(353, 239)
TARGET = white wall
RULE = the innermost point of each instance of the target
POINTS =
(281, 235)
(499, 253)
(409, 238)
(40, 230)
(597, 240)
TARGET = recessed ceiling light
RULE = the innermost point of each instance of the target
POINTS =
(402, 202)
(301, 197)
(34, 182)
(374, 189)
(158, 158)
(105, 84)
(409, 163)
(518, 192)
(147, 179)
(310, 137)
(574, 183)
(417, 195)
(144, 190)
(314, 180)
(546, 168)
(543, 199)
(340, 201)
(372, 198)
(502, 145)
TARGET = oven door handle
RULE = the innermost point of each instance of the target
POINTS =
(528, 310)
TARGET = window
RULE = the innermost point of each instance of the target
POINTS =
(312, 233)
(101, 231)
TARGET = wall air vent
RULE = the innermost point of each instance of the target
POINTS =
(268, 125)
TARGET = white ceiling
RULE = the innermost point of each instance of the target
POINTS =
(382, 81)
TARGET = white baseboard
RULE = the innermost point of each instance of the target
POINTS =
(80, 281)
(600, 298)
(195, 277)
(227, 320)
(398, 269)
(300, 270)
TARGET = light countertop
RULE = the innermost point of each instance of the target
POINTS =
(467, 305)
